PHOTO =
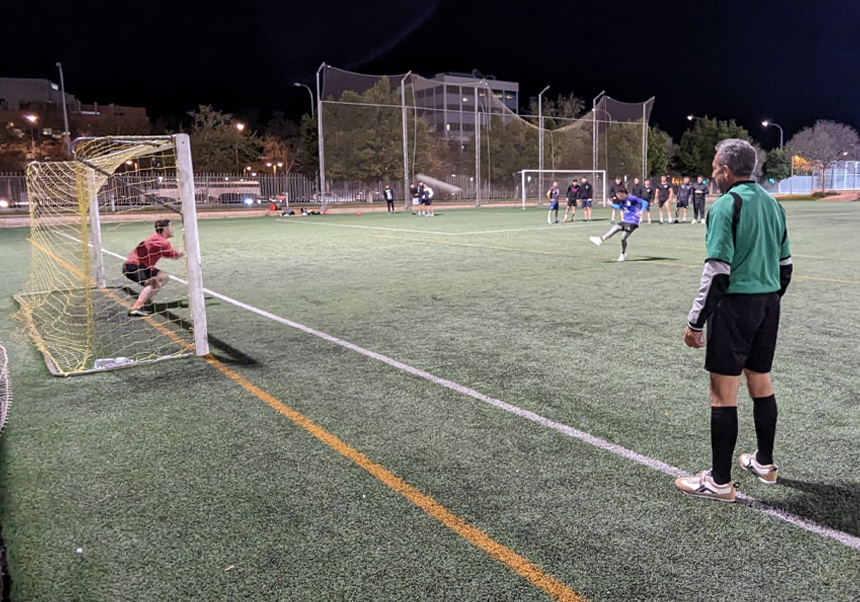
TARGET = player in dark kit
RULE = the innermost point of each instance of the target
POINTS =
(586, 197)
(647, 195)
(613, 196)
(664, 197)
(700, 194)
(552, 195)
(572, 195)
(140, 267)
(685, 194)
(389, 198)
(631, 208)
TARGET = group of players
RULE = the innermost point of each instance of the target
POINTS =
(633, 206)
(582, 193)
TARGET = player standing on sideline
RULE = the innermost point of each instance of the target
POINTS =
(613, 197)
(700, 193)
(685, 192)
(421, 199)
(664, 197)
(631, 208)
(647, 196)
(552, 195)
(572, 195)
(747, 270)
(140, 267)
(389, 197)
(416, 198)
(637, 189)
(586, 197)
(427, 199)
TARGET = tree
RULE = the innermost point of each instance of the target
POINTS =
(659, 151)
(217, 145)
(565, 108)
(696, 150)
(825, 143)
(282, 143)
(308, 131)
(777, 165)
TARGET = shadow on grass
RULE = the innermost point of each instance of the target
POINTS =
(835, 505)
(644, 259)
(221, 350)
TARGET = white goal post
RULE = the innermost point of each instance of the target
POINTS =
(597, 178)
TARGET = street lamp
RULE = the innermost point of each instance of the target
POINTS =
(240, 126)
(767, 123)
(32, 119)
(311, 92)
(66, 133)
(693, 117)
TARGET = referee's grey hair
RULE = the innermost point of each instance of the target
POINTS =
(738, 155)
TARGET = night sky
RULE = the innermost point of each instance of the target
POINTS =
(791, 62)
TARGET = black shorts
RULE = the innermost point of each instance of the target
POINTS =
(628, 227)
(139, 273)
(426, 202)
(683, 204)
(742, 334)
(571, 202)
(662, 202)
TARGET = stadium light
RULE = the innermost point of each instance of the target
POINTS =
(766, 123)
(31, 118)
(311, 92)
(240, 126)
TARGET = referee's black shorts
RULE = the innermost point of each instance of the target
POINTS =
(742, 334)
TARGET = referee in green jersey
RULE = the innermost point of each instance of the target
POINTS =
(747, 270)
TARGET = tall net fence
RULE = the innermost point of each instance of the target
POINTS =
(5, 388)
(394, 129)
(86, 217)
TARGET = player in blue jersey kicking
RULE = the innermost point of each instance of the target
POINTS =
(631, 208)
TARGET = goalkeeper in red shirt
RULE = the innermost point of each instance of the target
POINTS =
(140, 267)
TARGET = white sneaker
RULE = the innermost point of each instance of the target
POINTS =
(661, 220)
(670, 220)
(685, 220)
(766, 473)
(703, 485)
(596, 240)
(694, 221)
(622, 257)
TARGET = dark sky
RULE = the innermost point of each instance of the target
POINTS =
(791, 62)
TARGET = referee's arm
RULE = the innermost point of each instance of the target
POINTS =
(786, 266)
(716, 275)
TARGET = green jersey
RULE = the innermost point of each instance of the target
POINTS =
(753, 243)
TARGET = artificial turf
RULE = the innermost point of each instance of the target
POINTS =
(167, 475)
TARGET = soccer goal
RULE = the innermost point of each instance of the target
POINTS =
(535, 182)
(86, 216)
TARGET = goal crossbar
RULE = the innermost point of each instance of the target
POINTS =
(589, 173)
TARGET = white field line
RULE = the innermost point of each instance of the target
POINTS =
(309, 223)
(841, 537)
(793, 216)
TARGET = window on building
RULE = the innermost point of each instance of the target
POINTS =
(453, 107)
(452, 127)
(419, 94)
(440, 127)
(439, 90)
(468, 127)
(498, 93)
(510, 96)
(454, 90)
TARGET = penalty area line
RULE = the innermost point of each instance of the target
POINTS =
(841, 537)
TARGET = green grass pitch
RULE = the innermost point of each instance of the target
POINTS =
(178, 484)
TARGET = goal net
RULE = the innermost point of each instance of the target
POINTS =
(86, 217)
(534, 184)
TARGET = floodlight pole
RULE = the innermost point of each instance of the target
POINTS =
(540, 140)
(320, 141)
(478, 147)
(594, 136)
(311, 92)
(776, 125)
(644, 143)
(405, 143)
(66, 133)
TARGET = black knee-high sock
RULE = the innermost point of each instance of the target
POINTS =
(624, 243)
(764, 415)
(724, 435)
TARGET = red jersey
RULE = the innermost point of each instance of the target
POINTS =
(149, 251)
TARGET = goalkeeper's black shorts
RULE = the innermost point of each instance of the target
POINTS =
(138, 273)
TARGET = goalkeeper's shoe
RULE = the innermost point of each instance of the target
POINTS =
(703, 485)
(596, 240)
(766, 473)
(136, 313)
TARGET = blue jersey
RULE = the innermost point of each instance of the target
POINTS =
(630, 208)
